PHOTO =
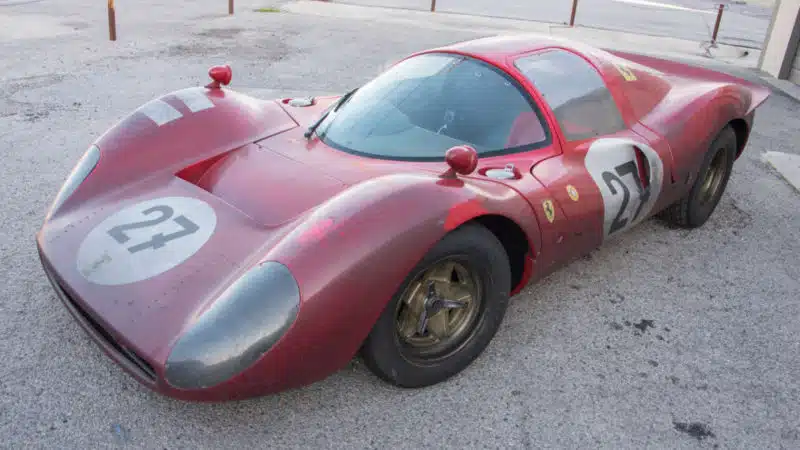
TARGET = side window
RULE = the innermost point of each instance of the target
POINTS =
(575, 91)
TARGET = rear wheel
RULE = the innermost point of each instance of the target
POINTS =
(445, 313)
(694, 209)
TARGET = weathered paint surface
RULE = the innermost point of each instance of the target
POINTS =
(348, 228)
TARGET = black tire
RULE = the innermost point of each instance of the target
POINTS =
(694, 209)
(471, 245)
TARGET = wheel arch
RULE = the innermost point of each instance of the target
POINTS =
(726, 106)
(734, 103)
(742, 129)
(516, 243)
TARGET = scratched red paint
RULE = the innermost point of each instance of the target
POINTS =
(462, 213)
(317, 231)
(376, 218)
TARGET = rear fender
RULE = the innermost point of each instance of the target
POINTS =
(353, 252)
(727, 103)
(690, 129)
(757, 93)
(747, 94)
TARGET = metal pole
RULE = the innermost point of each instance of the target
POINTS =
(112, 21)
(230, 7)
(433, 5)
(574, 10)
(716, 25)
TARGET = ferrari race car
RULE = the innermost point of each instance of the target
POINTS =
(219, 246)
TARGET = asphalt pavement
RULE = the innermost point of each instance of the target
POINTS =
(741, 24)
(664, 339)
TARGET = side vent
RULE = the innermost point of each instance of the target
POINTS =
(644, 167)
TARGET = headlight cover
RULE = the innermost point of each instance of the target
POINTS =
(242, 324)
(82, 169)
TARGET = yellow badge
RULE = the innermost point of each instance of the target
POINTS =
(625, 72)
(572, 192)
(549, 210)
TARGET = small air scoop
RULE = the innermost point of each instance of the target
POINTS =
(221, 75)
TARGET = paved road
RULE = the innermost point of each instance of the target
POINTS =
(742, 24)
(669, 339)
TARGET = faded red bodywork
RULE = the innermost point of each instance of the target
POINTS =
(351, 228)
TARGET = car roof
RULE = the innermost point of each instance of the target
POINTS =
(503, 49)
(633, 98)
(498, 49)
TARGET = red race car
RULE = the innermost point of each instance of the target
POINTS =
(219, 246)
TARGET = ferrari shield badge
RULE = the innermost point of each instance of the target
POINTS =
(572, 192)
(549, 210)
(625, 72)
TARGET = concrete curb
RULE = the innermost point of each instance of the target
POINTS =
(785, 87)
(787, 165)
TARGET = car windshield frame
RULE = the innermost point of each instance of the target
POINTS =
(529, 102)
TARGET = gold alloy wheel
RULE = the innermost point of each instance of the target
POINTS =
(438, 309)
(714, 176)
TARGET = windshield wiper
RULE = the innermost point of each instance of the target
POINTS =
(342, 100)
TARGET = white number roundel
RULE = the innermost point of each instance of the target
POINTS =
(145, 240)
(627, 199)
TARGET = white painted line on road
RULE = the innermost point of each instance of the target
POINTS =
(663, 6)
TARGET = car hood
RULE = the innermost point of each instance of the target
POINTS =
(279, 178)
(269, 187)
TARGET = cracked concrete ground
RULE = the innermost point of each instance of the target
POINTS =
(665, 339)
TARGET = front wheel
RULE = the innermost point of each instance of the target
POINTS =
(695, 208)
(445, 313)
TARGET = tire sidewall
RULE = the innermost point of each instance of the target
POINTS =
(724, 142)
(471, 244)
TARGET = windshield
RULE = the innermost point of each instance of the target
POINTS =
(424, 105)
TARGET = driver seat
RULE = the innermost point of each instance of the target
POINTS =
(527, 129)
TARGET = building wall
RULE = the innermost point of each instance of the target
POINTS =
(794, 75)
(779, 56)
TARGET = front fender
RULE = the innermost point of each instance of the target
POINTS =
(177, 130)
(353, 252)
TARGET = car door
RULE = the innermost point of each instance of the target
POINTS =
(604, 185)
(608, 176)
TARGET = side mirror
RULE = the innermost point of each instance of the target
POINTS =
(462, 159)
(221, 75)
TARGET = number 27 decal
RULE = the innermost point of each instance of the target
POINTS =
(615, 176)
(157, 240)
